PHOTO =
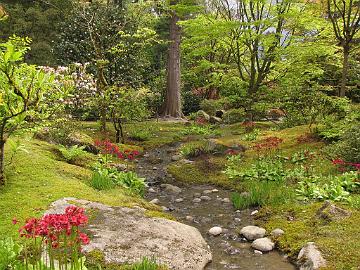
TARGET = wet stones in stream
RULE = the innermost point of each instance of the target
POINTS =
(209, 209)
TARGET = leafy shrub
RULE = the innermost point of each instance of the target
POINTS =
(348, 148)
(196, 149)
(140, 135)
(72, 153)
(131, 181)
(9, 254)
(234, 116)
(336, 188)
(210, 106)
(269, 169)
(261, 194)
(199, 130)
(191, 150)
(252, 136)
(332, 129)
(106, 178)
(300, 157)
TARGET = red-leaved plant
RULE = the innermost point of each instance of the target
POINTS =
(268, 144)
(57, 240)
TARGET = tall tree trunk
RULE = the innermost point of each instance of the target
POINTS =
(2, 162)
(345, 69)
(103, 118)
(172, 105)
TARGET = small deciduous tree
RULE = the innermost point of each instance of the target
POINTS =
(126, 104)
(22, 89)
(345, 18)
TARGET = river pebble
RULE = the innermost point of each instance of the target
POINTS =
(277, 232)
(252, 232)
(155, 201)
(263, 244)
(205, 198)
(215, 231)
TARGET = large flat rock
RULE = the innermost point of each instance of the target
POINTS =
(126, 235)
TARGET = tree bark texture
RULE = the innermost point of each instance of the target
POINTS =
(172, 105)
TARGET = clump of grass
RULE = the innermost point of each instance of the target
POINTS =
(101, 181)
(140, 135)
(147, 264)
(196, 149)
(262, 194)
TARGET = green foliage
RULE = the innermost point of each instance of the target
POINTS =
(131, 181)
(195, 129)
(9, 254)
(310, 106)
(262, 194)
(210, 106)
(71, 153)
(102, 180)
(252, 136)
(140, 134)
(43, 30)
(336, 188)
(195, 149)
(106, 178)
(348, 147)
(147, 264)
(234, 116)
(126, 104)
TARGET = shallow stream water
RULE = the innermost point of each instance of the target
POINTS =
(230, 251)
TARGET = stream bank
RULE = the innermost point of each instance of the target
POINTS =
(203, 207)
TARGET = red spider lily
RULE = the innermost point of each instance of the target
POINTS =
(108, 148)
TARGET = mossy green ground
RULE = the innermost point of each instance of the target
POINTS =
(39, 176)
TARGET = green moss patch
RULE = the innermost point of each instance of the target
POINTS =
(336, 239)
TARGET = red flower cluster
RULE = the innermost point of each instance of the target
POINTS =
(343, 164)
(268, 143)
(108, 148)
(51, 227)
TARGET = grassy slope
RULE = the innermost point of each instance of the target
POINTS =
(37, 178)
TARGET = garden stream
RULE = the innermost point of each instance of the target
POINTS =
(229, 250)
